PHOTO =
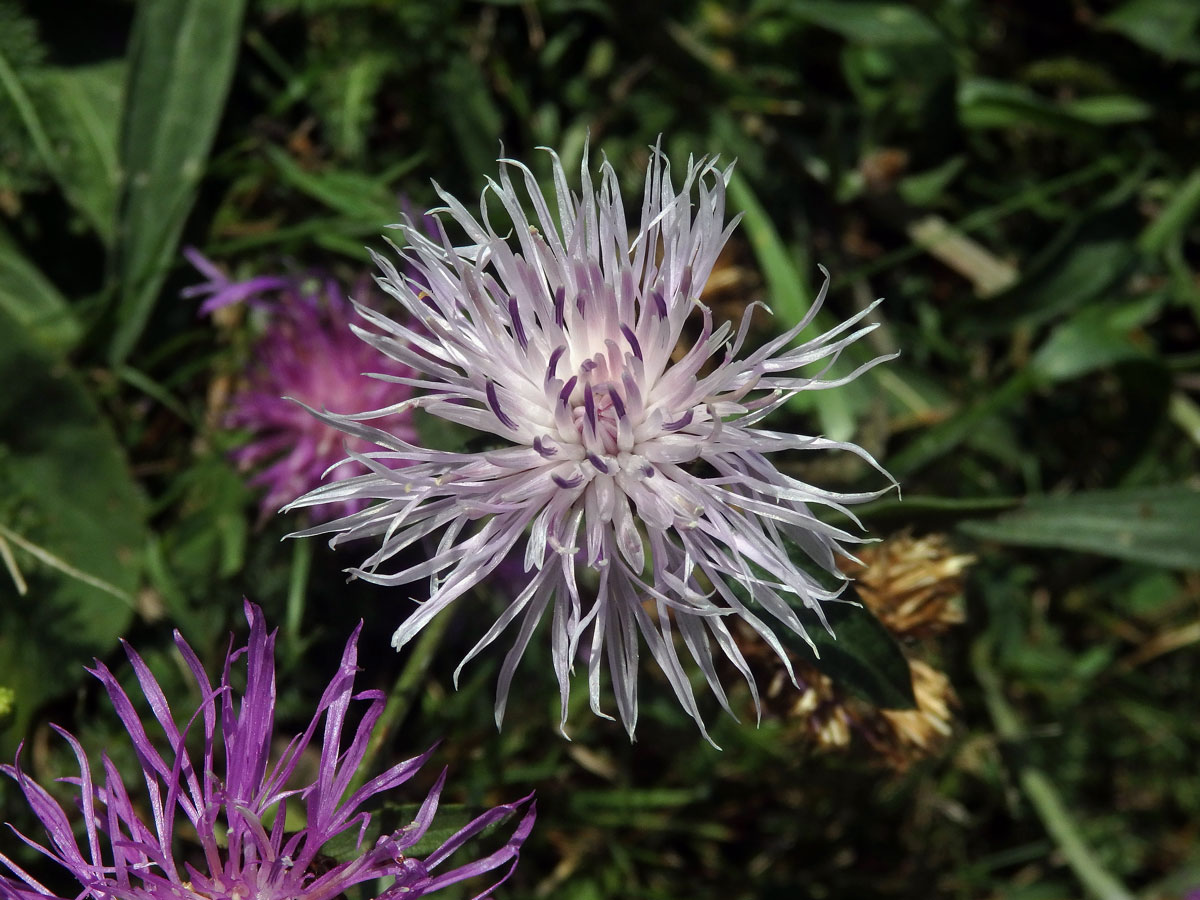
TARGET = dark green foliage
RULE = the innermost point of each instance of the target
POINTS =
(181, 61)
(21, 58)
(74, 521)
(858, 653)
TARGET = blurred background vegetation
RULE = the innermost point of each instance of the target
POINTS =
(1019, 181)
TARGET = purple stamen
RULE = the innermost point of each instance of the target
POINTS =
(494, 403)
(660, 304)
(514, 313)
(564, 396)
(567, 484)
(589, 405)
(599, 464)
(633, 341)
(552, 367)
(560, 299)
(617, 402)
(542, 446)
(682, 422)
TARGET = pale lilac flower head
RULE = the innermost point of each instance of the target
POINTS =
(210, 825)
(647, 490)
(307, 352)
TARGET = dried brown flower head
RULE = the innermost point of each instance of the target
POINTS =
(913, 586)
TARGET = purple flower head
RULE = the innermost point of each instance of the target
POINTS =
(232, 801)
(644, 485)
(306, 352)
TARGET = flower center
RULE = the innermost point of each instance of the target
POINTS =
(606, 422)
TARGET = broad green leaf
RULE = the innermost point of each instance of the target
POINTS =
(861, 655)
(181, 64)
(925, 509)
(1085, 273)
(867, 23)
(1096, 337)
(82, 109)
(14, 86)
(72, 519)
(1167, 27)
(1089, 265)
(985, 103)
(28, 297)
(1156, 526)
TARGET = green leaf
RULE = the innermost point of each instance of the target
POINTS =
(867, 23)
(181, 64)
(1167, 27)
(985, 103)
(1096, 337)
(359, 197)
(787, 284)
(844, 640)
(1175, 217)
(925, 188)
(861, 655)
(940, 439)
(1109, 109)
(349, 99)
(790, 296)
(33, 302)
(70, 116)
(81, 110)
(1087, 268)
(72, 520)
(1156, 526)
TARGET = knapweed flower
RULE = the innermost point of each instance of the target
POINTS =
(307, 352)
(211, 825)
(647, 492)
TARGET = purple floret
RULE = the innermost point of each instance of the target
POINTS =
(234, 801)
(306, 352)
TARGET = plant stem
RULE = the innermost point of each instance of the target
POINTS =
(403, 693)
(1040, 790)
(297, 588)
